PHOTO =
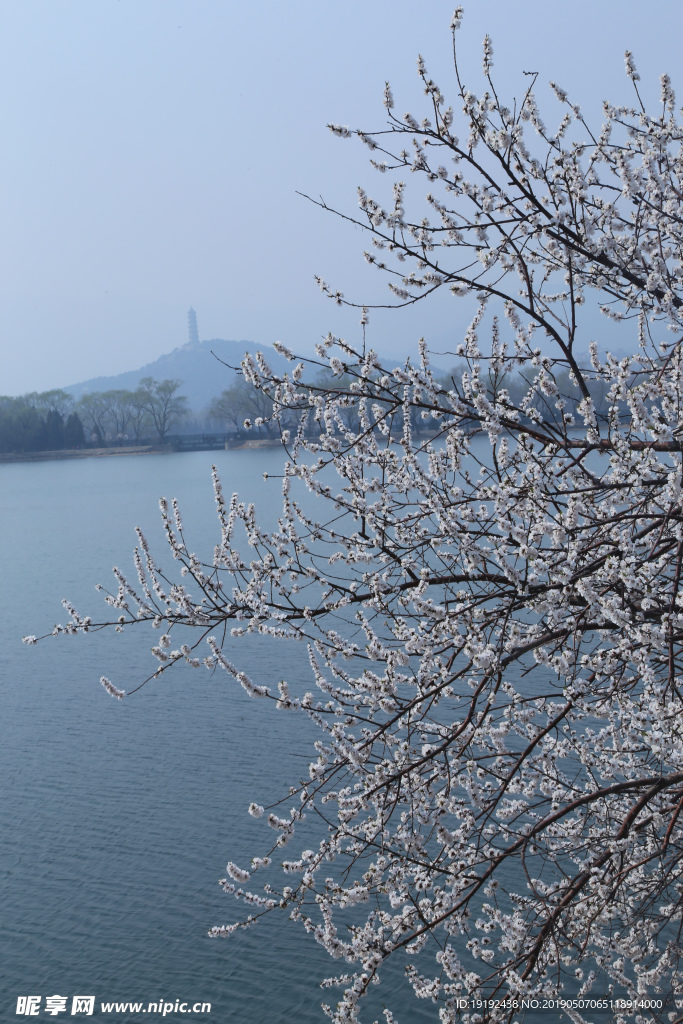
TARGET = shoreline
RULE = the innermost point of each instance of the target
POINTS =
(146, 449)
(87, 453)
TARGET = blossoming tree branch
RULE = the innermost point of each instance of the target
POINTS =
(486, 573)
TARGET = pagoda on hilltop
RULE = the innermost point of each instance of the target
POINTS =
(192, 326)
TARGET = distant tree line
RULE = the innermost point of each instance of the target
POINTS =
(120, 416)
(243, 410)
(54, 420)
(516, 387)
(40, 422)
(246, 411)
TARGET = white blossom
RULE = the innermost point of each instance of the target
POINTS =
(484, 567)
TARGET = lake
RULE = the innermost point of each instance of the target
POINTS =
(118, 817)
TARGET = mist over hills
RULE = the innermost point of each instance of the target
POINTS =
(200, 366)
(196, 363)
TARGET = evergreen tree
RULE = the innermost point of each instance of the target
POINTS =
(74, 435)
(54, 430)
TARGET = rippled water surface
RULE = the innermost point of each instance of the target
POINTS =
(118, 817)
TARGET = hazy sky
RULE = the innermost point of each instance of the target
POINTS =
(152, 151)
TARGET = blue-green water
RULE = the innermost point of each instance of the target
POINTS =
(118, 817)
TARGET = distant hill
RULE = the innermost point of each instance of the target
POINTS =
(202, 374)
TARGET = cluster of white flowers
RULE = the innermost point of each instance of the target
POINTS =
(492, 602)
